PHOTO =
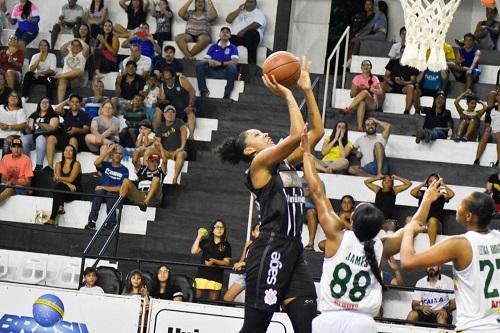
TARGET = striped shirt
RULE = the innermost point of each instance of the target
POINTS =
(197, 25)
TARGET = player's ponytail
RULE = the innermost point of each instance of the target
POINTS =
(372, 261)
(231, 149)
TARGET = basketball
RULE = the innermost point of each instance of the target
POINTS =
(284, 66)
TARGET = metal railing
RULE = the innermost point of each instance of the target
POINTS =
(335, 52)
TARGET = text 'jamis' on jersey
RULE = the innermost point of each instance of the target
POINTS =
(281, 201)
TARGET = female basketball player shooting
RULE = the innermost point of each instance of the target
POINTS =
(351, 284)
(475, 256)
(276, 271)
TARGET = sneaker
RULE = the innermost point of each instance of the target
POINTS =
(227, 96)
(90, 225)
(143, 206)
(464, 139)
(205, 93)
(457, 139)
(476, 162)
(109, 226)
(418, 136)
(427, 137)
(38, 167)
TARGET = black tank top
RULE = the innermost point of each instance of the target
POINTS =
(386, 201)
(280, 202)
(78, 180)
(177, 96)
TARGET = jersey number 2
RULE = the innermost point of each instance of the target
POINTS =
(483, 264)
(358, 291)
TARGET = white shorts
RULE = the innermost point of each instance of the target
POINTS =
(240, 279)
(343, 321)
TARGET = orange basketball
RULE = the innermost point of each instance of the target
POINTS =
(488, 3)
(284, 66)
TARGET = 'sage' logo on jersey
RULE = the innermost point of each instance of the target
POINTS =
(274, 267)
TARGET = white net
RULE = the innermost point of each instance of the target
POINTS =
(427, 22)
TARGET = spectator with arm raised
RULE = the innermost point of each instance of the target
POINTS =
(145, 39)
(95, 16)
(73, 72)
(70, 18)
(137, 12)
(26, 15)
(335, 150)
(163, 16)
(469, 118)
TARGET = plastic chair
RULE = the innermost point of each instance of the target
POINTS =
(109, 279)
(33, 271)
(69, 276)
(186, 284)
(147, 278)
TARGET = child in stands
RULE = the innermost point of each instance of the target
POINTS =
(90, 278)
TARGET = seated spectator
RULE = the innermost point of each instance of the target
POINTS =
(41, 130)
(147, 190)
(399, 78)
(335, 150)
(346, 209)
(103, 129)
(429, 83)
(197, 26)
(106, 50)
(76, 123)
(436, 211)
(112, 175)
(13, 121)
(163, 16)
(365, 92)
(361, 18)
(42, 69)
(470, 118)
(385, 196)
(11, 62)
(145, 140)
(220, 62)
(90, 279)
(143, 63)
(168, 59)
(164, 288)
(67, 177)
(137, 11)
(311, 215)
(177, 91)
(172, 134)
(16, 169)
(73, 72)
(215, 251)
(438, 123)
(486, 33)
(26, 15)
(83, 33)
(95, 17)
(465, 68)
(493, 188)
(247, 25)
(127, 87)
(133, 115)
(370, 148)
(70, 19)
(395, 51)
(145, 40)
(492, 101)
(4, 90)
(93, 103)
(394, 278)
(376, 29)
(135, 285)
(433, 307)
(239, 284)
(150, 93)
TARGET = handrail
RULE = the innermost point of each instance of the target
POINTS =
(313, 87)
(344, 36)
(53, 190)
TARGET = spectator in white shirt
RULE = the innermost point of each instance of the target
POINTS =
(74, 66)
(143, 63)
(90, 277)
(42, 69)
(395, 51)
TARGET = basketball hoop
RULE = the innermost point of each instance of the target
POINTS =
(427, 22)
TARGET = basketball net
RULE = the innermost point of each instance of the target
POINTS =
(427, 22)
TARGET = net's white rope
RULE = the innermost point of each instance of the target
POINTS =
(427, 22)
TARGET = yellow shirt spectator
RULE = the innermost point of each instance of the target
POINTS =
(334, 153)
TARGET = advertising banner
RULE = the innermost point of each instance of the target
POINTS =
(180, 317)
(33, 309)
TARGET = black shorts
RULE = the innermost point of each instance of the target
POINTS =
(432, 318)
(398, 89)
(63, 141)
(428, 92)
(276, 271)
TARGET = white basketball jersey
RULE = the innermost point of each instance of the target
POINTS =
(477, 288)
(347, 282)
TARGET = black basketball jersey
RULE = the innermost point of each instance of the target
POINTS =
(145, 177)
(280, 202)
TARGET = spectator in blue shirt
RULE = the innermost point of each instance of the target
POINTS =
(220, 62)
(146, 41)
(465, 68)
(112, 175)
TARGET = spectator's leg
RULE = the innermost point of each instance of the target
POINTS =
(182, 40)
(312, 226)
(409, 91)
(230, 73)
(251, 41)
(356, 170)
(56, 29)
(61, 89)
(51, 150)
(457, 70)
(442, 317)
(96, 206)
(469, 81)
(27, 140)
(320, 165)
(339, 165)
(91, 143)
(153, 190)
(125, 187)
(191, 123)
(29, 79)
(232, 292)
(445, 76)
(11, 78)
(434, 226)
(179, 158)
(379, 152)
(202, 70)
(201, 43)
(28, 37)
(483, 142)
(41, 149)
(213, 295)
(416, 100)
(74, 142)
(109, 204)
(413, 315)
(57, 202)
(121, 31)
(472, 129)
(462, 127)
(497, 139)
(5, 194)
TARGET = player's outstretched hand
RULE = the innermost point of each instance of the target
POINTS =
(273, 85)
(433, 192)
(304, 82)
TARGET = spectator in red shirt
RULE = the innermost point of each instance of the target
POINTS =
(11, 61)
(16, 170)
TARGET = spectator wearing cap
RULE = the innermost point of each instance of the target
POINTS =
(172, 134)
(465, 68)
(145, 39)
(146, 191)
(145, 139)
(73, 72)
(127, 87)
(90, 279)
(438, 123)
(168, 59)
(133, 115)
(16, 169)
(142, 62)
(76, 123)
(220, 62)
(112, 175)
(247, 24)
(469, 118)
